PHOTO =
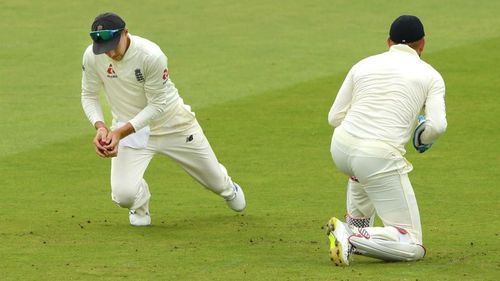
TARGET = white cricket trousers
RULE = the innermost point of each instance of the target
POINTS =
(383, 187)
(189, 148)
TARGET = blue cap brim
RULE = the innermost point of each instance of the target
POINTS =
(105, 46)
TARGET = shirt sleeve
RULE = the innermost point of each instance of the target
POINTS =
(156, 91)
(342, 102)
(91, 86)
(435, 111)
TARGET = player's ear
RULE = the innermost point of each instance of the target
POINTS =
(389, 42)
(423, 45)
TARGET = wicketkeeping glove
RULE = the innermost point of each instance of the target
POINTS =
(419, 146)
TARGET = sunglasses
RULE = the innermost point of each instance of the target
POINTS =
(105, 34)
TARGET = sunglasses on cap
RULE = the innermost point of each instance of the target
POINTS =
(105, 34)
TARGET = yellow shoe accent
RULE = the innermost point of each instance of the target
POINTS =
(336, 250)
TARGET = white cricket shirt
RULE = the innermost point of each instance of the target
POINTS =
(382, 96)
(138, 88)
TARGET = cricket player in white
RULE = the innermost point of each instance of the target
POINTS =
(374, 116)
(149, 117)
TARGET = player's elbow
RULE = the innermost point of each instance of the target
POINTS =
(334, 123)
(440, 127)
(433, 131)
(161, 107)
(160, 103)
(334, 120)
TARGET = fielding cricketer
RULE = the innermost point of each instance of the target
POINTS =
(374, 115)
(149, 117)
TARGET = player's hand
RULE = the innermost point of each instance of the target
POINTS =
(417, 144)
(100, 142)
(111, 145)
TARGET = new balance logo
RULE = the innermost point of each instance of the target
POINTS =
(139, 76)
(364, 233)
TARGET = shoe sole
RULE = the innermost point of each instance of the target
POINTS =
(140, 225)
(140, 222)
(335, 246)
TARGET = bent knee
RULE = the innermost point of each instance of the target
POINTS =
(124, 194)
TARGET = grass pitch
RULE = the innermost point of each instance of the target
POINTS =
(261, 77)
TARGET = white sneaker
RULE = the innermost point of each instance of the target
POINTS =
(237, 201)
(340, 248)
(139, 220)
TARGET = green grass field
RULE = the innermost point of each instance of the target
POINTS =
(261, 76)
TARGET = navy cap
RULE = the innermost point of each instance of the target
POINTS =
(406, 29)
(106, 21)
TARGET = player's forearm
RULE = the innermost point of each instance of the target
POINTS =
(125, 130)
(340, 107)
(435, 113)
(157, 104)
(335, 117)
(434, 128)
(92, 108)
(342, 102)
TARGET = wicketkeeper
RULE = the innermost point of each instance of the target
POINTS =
(376, 112)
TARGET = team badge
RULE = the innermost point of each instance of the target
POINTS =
(111, 72)
(138, 75)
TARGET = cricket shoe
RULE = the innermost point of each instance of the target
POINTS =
(137, 219)
(340, 248)
(237, 201)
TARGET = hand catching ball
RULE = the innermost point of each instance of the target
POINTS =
(104, 143)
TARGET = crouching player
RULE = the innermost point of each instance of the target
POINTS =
(374, 116)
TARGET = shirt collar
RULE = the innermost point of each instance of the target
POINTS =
(402, 48)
